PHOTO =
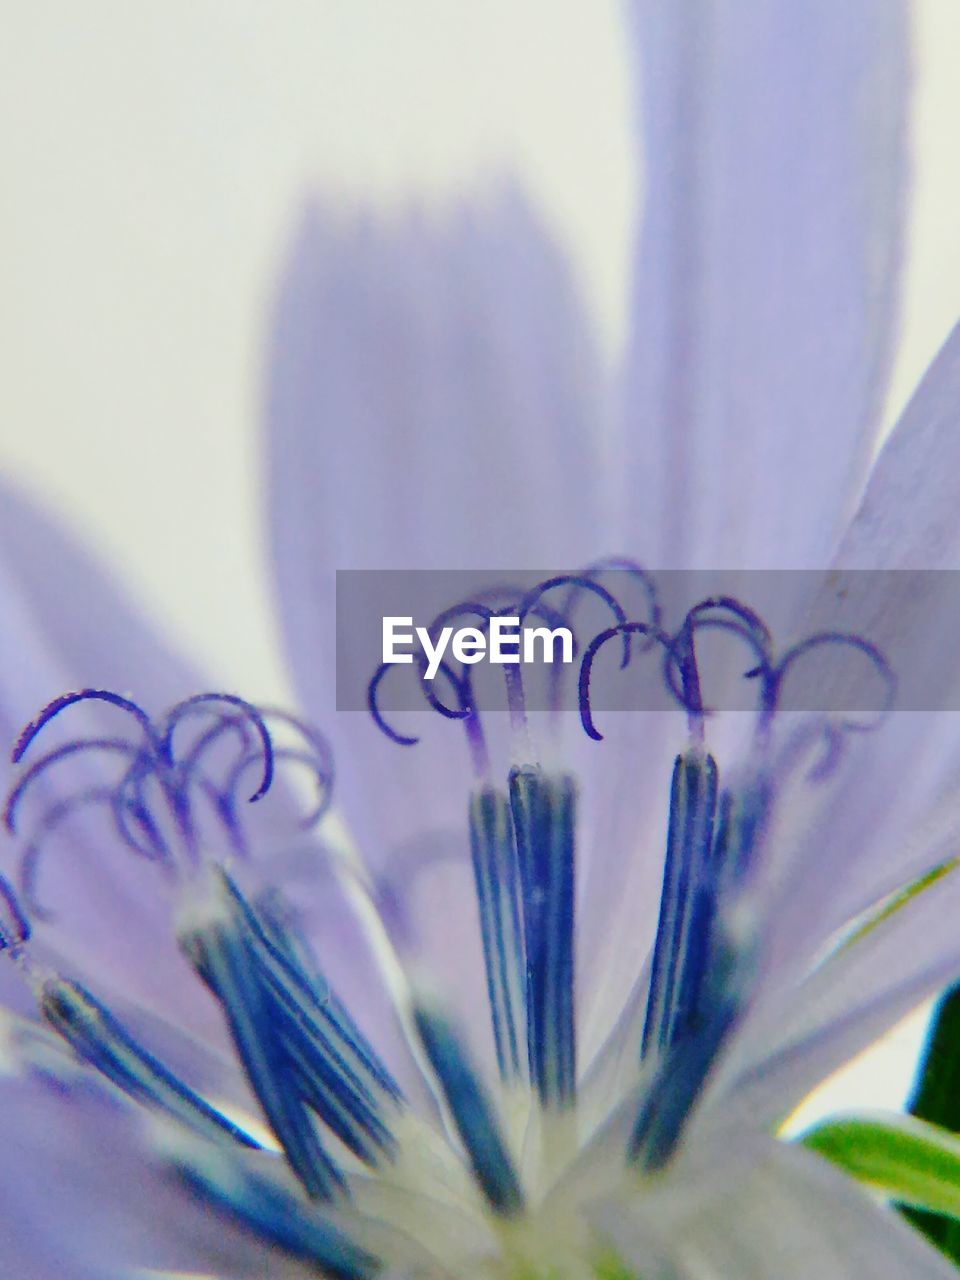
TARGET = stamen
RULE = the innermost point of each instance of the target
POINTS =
(741, 817)
(523, 606)
(679, 950)
(544, 811)
(280, 955)
(323, 1059)
(472, 1113)
(272, 1213)
(497, 878)
(512, 604)
(631, 568)
(93, 1032)
(224, 959)
(677, 1085)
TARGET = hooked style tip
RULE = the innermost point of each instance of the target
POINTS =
(152, 798)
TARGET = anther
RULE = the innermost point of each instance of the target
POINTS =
(298, 1044)
(96, 1035)
(679, 954)
(497, 878)
(544, 814)
(223, 959)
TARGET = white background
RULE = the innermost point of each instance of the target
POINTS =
(153, 158)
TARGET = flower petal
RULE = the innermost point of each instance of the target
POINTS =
(845, 1005)
(886, 583)
(763, 308)
(82, 1199)
(909, 516)
(788, 1217)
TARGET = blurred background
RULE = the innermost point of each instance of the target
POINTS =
(155, 158)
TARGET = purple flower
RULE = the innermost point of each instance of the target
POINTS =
(475, 1023)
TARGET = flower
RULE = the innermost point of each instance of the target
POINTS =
(434, 402)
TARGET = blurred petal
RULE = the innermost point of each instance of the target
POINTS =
(765, 293)
(789, 1218)
(82, 1199)
(434, 403)
(66, 625)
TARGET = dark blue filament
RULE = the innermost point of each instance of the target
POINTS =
(741, 819)
(497, 877)
(53, 709)
(465, 711)
(544, 811)
(677, 1085)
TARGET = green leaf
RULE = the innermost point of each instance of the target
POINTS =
(936, 1090)
(609, 1267)
(936, 1097)
(910, 1160)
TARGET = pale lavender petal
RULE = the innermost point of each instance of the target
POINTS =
(84, 1199)
(909, 517)
(434, 401)
(795, 1038)
(763, 309)
(877, 832)
(789, 1217)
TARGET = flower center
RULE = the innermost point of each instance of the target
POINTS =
(499, 1181)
